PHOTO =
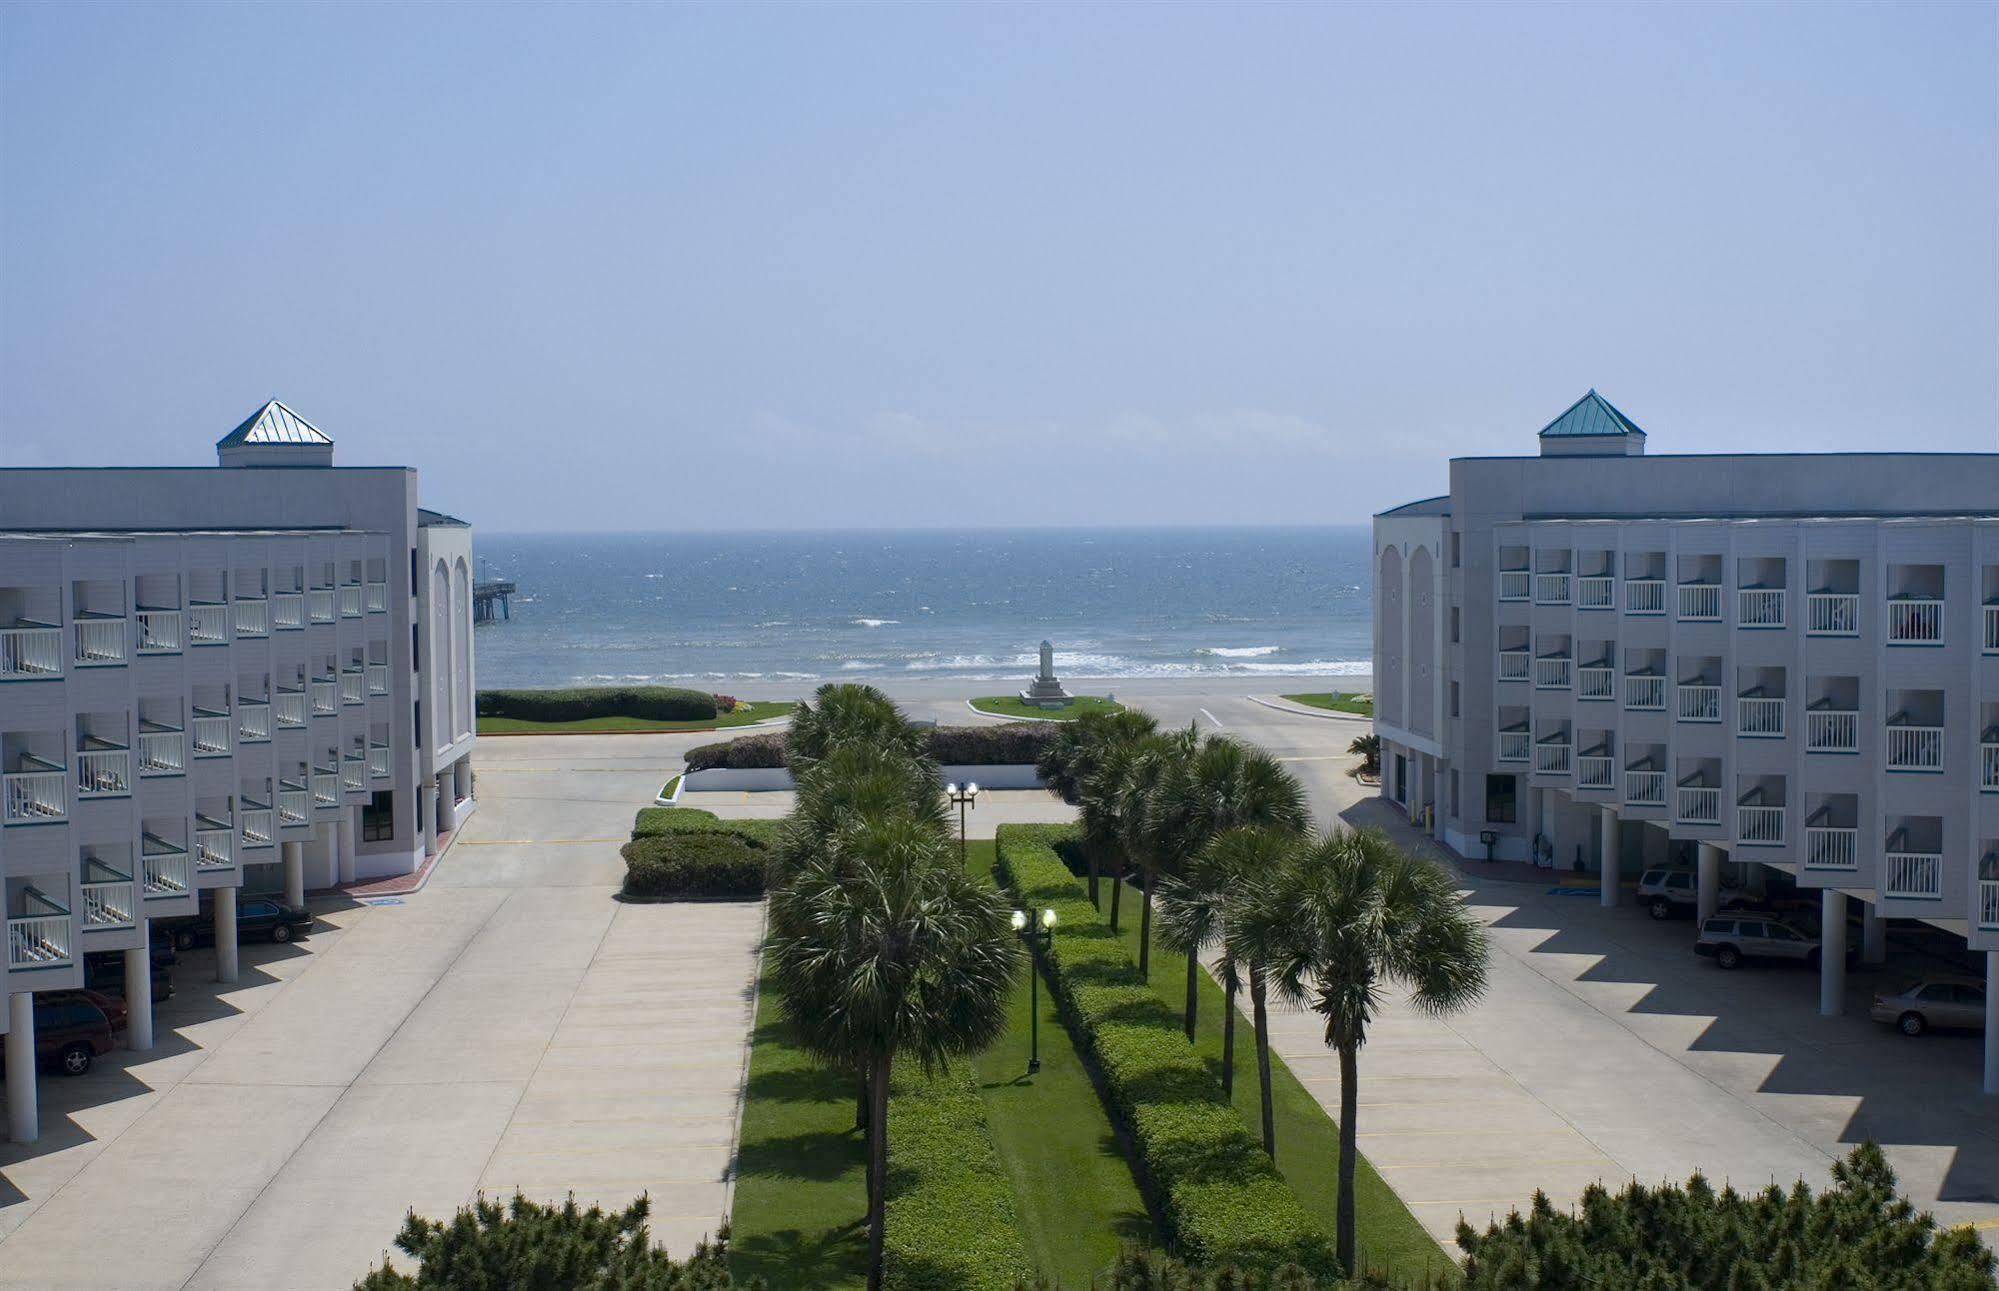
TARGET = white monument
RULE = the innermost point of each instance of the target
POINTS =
(1045, 691)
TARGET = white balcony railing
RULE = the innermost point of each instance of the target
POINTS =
(1759, 716)
(289, 708)
(1699, 805)
(1991, 629)
(1699, 703)
(1915, 621)
(214, 848)
(211, 735)
(1645, 788)
(1988, 758)
(103, 773)
(30, 652)
(378, 598)
(106, 905)
(1831, 847)
(354, 686)
(1596, 592)
(258, 825)
(378, 679)
(1552, 759)
(1644, 693)
(325, 788)
(1988, 904)
(1832, 614)
(325, 696)
(378, 761)
(253, 721)
(1700, 602)
(1644, 596)
(167, 873)
(208, 625)
(1596, 683)
(1913, 874)
(253, 617)
(1596, 772)
(294, 805)
(1915, 748)
(319, 602)
(162, 752)
(1515, 665)
(288, 610)
(1514, 745)
(1515, 584)
(100, 641)
(39, 940)
(34, 797)
(353, 774)
(1552, 672)
(1759, 826)
(350, 600)
(1832, 730)
(159, 631)
(1551, 589)
(1759, 607)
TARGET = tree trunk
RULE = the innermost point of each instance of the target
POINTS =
(1349, 1101)
(877, 1172)
(1228, 1044)
(1260, 1018)
(1117, 891)
(862, 1093)
(1094, 867)
(1145, 931)
(1193, 978)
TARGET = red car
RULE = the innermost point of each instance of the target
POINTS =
(72, 1031)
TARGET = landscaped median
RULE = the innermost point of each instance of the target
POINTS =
(684, 854)
(613, 710)
(1015, 707)
(951, 1223)
(1337, 701)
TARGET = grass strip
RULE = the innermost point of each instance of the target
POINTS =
(1337, 702)
(745, 714)
(1010, 706)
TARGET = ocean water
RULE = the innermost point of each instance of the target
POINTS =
(705, 608)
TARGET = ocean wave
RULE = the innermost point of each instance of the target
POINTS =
(1238, 652)
(874, 623)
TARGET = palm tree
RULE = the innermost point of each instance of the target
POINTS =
(1100, 807)
(855, 779)
(1369, 749)
(847, 712)
(1355, 915)
(1140, 838)
(1225, 785)
(883, 945)
(1078, 748)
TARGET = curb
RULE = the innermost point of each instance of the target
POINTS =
(1304, 710)
(1018, 717)
(641, 730)
(679, 787)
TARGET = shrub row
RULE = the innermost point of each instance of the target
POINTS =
(950, 1222)
(1014, 744)
(573, 704)
(1221, 1197)
(652, 822)
(694, 865)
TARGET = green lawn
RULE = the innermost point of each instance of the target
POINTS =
(745, 713)
(666, 791)
(1072, 1187)
(1337, 702)
(1307, 1139)
(1010, 706)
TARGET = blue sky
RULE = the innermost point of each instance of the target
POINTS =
(737, 266)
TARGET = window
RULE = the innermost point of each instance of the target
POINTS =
(415, 582)
(1457, 552)
(1720, 928)
(378, 817)
(416, 658)
(1501, 799)
(1454, 625)
(1454, 699)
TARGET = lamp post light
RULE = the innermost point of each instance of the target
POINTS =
(964, 799)
(1035, 937)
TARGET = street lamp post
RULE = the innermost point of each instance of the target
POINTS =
(964, 799)
(1035, 937)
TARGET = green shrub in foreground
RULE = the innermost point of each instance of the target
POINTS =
(1140, 1269)
(1014, 744)
(652, 822)
(951, 1224)
(1222, 1198)
(716, 864)
(574, 704)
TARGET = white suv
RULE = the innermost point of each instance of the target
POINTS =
(1664, 890)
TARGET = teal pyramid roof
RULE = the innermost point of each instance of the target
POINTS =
(275, 424)
(1591, 415)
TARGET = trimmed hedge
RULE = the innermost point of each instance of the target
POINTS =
(717, 864)
(1222, 1199)
(744, 753)
(574, 704)
(655, 822)
(1014, 744)
(950, 1222)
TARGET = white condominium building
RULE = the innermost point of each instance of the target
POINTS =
(257, 674)
(1592, 657)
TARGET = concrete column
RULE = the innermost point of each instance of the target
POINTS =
(461, 778)
(23, 1118)
(346, 831)
(1707, 880)
(447, 807)
(1608, 895)
(293, 856)
(1992, 1021)
(225, 935)
(1873, 934)
(1832, 953)
(426, 819)
(139, 990)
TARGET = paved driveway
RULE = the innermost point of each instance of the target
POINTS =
(510, 1026)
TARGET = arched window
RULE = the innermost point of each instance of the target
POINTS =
(440, 655)
(1422, 643)
(1389, 667)
(461, 649)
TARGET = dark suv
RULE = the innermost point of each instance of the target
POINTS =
(104, 970)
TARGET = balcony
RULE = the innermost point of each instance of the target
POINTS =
(159, 631)
(1759, 826)
(253, 721)
(30, 650)
(353, 686)
(108, 900)
(1988, 759)
(288, 611)
(378, 679)
(325, 696)
(253, 616)
(1644, 693)
(1551, 589)
(211, 733)
(40, 936)
(103, 769)
(1514, 746)
(100, 640)
(1700, 602)
(214, 844)
(1552, 757)
(1759, 607)
(1597, 772)
(1699, 805)
(1514, 665)
(259, 827)
(290, 708)
(167, 872)
(1831, 847)
(37, 793)
(1645, 788)
(1515, 584)
(350, 600)
(1832, 614)
(1596, 682)
(1991, 629)
(1832, 730)
(1915, 748)
(1552, 672)
(1644, 596)
(162, 749)
(319, 602)
(1913, 874)
(294, 804)
(1759, 717)
(1700, 703)
(207, 623)
(1988, 904)
(353, 775)
(325, 787)
(378, 761)
(378, 598)
(1596, 592)
(1915, 621)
